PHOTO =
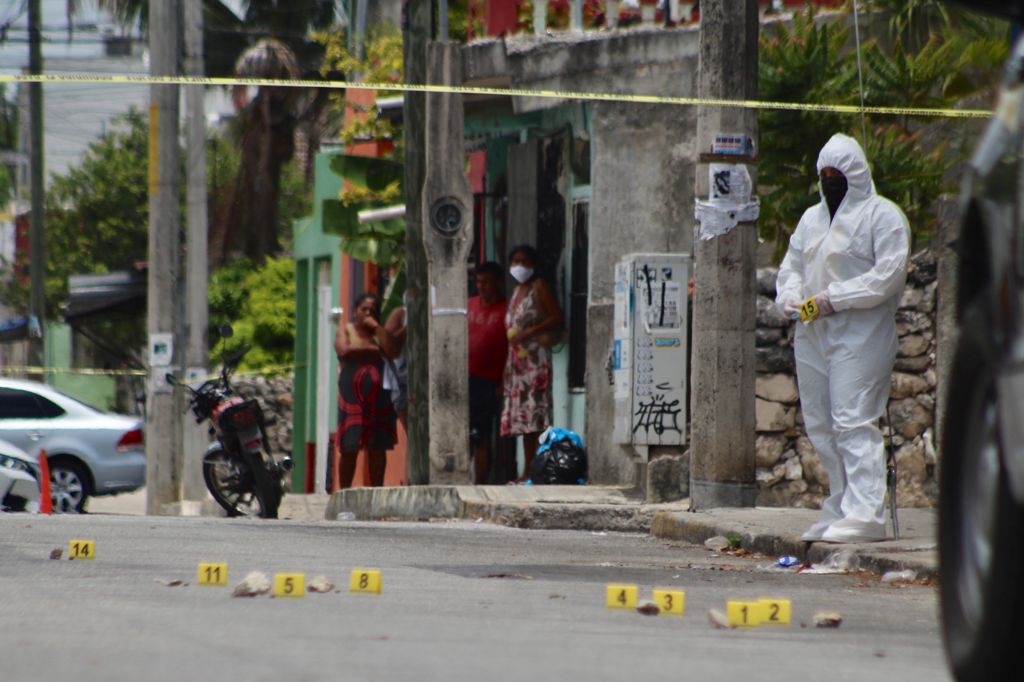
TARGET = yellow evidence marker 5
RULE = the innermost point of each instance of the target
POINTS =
(365, 580)
(743, 614)
(81, 549)
(621, 596)
(290, 585)
(212, 574)
(775, 611)
(671, 602)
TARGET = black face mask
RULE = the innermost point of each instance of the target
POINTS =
(834, 189)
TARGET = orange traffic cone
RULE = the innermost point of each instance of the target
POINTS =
(45, 501)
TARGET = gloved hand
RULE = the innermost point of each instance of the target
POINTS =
(824, 303)
(792, 309)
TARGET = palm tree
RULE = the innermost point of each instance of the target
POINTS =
(271, 40)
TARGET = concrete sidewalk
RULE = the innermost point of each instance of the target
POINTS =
(771, 531)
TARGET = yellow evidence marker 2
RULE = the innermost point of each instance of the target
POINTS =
(775, 611)
(744, 614)
(365, 580)
(290, 585)
(671, 602)
(621, 596)
(212, 574)
(81, 549)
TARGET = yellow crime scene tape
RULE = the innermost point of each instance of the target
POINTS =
(128, 79)
(16, 371)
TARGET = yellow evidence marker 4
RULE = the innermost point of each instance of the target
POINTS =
(621, 596)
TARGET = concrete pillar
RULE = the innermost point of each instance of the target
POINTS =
(446, 210)
(724, 313)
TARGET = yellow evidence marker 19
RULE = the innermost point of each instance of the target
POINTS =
(775, 611)
(671, 602)
(212, 574)
(290, 585)
(621, 596)
(81, 549)
(365, 580)
(743, 614)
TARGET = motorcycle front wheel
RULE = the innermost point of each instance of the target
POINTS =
(231, 484)
(980, 525)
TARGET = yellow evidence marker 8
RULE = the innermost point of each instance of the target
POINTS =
(621, 596)
(775, 611)
(212, 574)
(81, 549)
(744, 614)
(290, 585)
(671, 602)
(365, 580)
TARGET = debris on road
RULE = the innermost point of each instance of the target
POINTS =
(717, 543)
(254, 584)
(57, 553)
(827, 619)
(719, 620)
(900, 576)
(320, 584)
(649, 609)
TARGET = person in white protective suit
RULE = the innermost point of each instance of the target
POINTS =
(849, 253)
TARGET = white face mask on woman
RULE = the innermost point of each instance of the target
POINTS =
(520, 273)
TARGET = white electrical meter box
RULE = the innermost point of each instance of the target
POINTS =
(649, 349)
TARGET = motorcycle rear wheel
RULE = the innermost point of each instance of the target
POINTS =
(230, 482)
(980, 525)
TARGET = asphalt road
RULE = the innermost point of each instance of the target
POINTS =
(460, 601)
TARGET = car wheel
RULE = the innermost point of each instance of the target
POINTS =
(980, 524)
(69, 488)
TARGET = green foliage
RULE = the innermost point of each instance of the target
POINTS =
(259, 304)
(798, 64)
(908, 175)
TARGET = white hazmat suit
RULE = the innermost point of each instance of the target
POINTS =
(855, 263)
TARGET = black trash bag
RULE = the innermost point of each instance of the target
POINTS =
(563, 463)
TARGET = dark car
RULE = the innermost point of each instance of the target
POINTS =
(981, 519)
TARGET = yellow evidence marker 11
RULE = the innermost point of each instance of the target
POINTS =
(212, 574)
(290, 585)
(775, 611)
(81, 549)
(365, 580)
(743, 614)
(671, 602)
(621, 596)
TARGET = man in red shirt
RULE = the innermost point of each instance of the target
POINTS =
(488, 346)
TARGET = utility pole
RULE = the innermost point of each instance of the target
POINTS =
(37, 247)
(419, 29)
(163, 410)
(723, 468)
(194, 436)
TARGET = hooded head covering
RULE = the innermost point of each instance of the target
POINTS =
(844, 154)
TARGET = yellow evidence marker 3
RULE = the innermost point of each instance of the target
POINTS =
(671, 602)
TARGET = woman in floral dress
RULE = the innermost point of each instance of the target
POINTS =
(532, 312)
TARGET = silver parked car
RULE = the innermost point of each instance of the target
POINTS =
(90, 452)
(19, 479)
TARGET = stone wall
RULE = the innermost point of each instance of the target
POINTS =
(788, 470)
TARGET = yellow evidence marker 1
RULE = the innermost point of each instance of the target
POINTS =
(365, 580)
(671, 602)
(743, 614)
(290, 585)
(775, 611)
(621, 596)
(212, 574)
(81, 549)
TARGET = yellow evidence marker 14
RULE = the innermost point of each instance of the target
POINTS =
(212, 574)
(621, 596)
(365, 580)
(775, 611)
(671, 602)
(743, 614)
(290, 585)
(81, 549)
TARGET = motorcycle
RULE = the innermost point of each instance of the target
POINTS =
(239, 470)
